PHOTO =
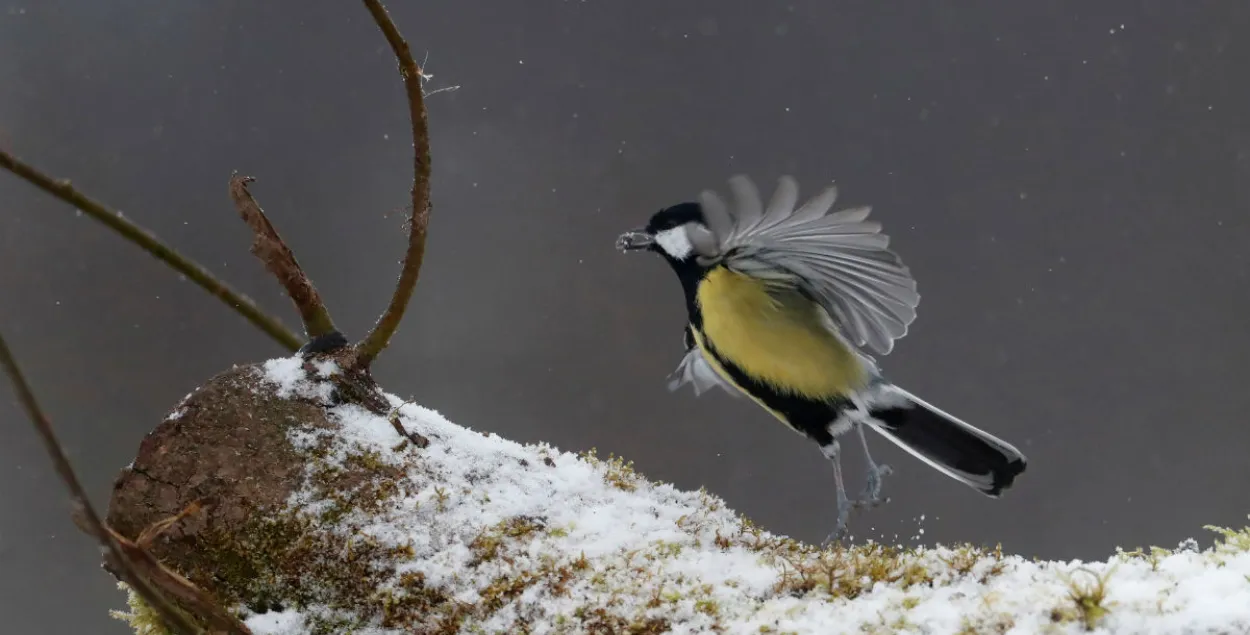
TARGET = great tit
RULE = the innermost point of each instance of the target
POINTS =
(782, 302)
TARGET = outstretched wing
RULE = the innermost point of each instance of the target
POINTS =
(841, 259)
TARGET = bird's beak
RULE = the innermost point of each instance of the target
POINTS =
(636, 240)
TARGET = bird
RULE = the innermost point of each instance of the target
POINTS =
(787, 304)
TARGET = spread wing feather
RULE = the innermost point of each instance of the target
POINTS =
(695, 370)
(841, 259)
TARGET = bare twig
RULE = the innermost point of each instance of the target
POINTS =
(380, 336)
(158, 528)
(427, 77)
(62, 189)
(280, 261)
(170, 582)
(174, 619)
(413, 436)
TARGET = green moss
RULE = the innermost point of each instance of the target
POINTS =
(140, 617)
(1232, 541)
(1153, 556)
(839, 570)
(618, 472)
(1087, 600)
(707, 606)
(486, 546)
(964, 560)
(506, 588)
(291, 560)
(599, 621)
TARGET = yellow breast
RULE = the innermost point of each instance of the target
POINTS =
(777, 338)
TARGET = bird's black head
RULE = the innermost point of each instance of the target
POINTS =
(675, 216)
(678, 233)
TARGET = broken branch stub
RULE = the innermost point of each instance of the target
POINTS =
(268, 246)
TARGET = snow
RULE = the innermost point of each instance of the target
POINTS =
(278, 623)
(653, 551)
(288, 375)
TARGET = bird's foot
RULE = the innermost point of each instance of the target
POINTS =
(845, 505)
(872, 489)
(872, 497)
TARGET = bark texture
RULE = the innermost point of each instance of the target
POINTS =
(217, 477)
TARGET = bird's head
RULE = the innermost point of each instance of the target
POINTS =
(678, 233)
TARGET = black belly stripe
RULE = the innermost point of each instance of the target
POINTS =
(807, 416)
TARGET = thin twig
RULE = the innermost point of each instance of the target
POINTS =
(425, 75)
(280, 261)
(415, 437)
(62, 190)
(380, 336)
(82, 508)
(174, 584)
(158, 528)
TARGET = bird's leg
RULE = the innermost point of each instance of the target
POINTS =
(831, 451)
(872, 489)
(872, 486)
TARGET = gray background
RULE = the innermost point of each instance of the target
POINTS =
(1067, 180)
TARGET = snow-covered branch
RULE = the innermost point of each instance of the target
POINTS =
(478, 534)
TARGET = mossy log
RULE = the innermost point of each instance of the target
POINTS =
(228, 449)
(301, 494)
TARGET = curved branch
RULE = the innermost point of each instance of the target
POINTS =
(380, 336)
(62, 190)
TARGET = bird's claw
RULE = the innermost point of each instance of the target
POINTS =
(844, 517)
(872, 489)
(872, 497)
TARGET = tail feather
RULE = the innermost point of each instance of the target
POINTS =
(955, 448)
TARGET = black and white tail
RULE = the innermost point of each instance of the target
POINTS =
(961, 451)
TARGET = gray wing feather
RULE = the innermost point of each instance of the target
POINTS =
(841, 259)
(748, 209)
(817, 207)
(694, 370)
(716, 215)
(785, 197)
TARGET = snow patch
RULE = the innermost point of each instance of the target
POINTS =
(479, 509)
(287, 373)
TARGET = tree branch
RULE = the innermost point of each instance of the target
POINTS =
(174, 619)
(280, 261)
(380, 336)
(62, 190)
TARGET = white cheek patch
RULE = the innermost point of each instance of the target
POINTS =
(675, 242)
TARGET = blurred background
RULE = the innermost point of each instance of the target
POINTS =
(1068, 181)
